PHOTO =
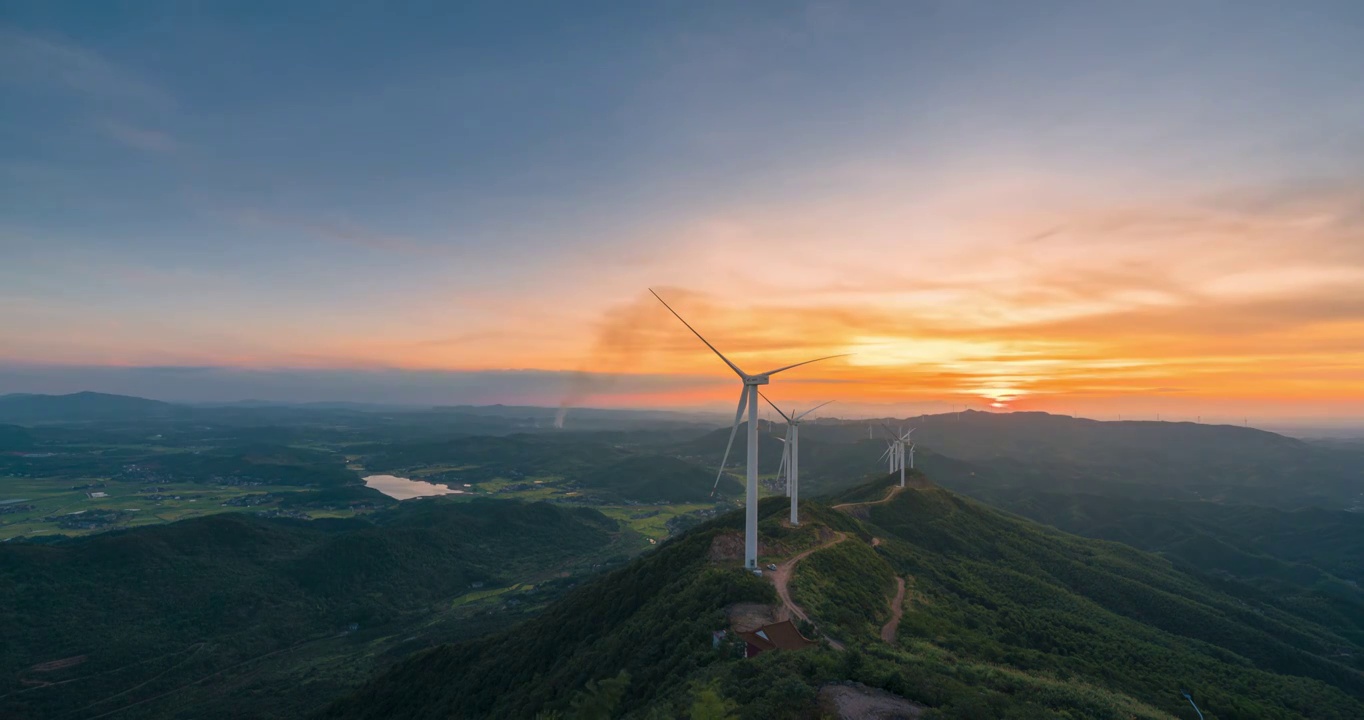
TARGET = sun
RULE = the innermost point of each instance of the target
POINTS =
(998, 404)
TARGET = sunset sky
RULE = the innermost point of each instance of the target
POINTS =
(1088, 207)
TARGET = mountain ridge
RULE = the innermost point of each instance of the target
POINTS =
(1085, 627)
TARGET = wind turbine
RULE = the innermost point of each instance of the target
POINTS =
(890, 455)
(904, 442)
(791, 454)
(748, 399)
(896, 451)
(786, 454)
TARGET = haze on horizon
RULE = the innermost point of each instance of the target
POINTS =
(1090, 208)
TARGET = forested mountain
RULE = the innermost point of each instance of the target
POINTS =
(169, 615)
(1002, 618)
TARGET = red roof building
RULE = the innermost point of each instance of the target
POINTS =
(777, 636)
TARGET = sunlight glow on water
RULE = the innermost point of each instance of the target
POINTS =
(400, 488)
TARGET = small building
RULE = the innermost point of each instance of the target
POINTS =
(778, 636)
(96, 495)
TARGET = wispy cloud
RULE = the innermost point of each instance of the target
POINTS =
(121, 99)
(139, 138)
(342, 232)
(58, 64)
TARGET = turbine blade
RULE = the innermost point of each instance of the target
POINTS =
(807, 362)
(738, 415)
(807, 412)
(774, 407)
(731, 365)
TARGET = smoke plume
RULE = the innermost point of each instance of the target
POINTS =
(625, 335)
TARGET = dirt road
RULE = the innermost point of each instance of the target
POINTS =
(781, 577)
(896, 612)
(890, 495)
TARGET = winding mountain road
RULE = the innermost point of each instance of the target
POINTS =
(897, 610)
(781, 577)
(890, 495)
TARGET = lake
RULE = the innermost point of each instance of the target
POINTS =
(401, 488)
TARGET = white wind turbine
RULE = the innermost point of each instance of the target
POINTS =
(895, 450)
(790, 458)
(905, 443)
(891, 455)
(748, 399)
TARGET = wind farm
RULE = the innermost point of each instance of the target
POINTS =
(748, 401)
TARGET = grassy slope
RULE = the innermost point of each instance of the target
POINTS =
(1309, 562)
(1006, 590)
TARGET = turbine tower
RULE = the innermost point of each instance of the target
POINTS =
(748, 399)
(791, 454)
(904, 443)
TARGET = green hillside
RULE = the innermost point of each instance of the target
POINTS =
(1307, 561)
(196, 608)
(1002, 618)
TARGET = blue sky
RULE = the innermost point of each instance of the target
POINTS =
(471, 186)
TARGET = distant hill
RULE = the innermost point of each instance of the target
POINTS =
(482, 457)
(710, 448)
(651, 478)
(199, 604)
(1003, 618)
(830, 462)
(13, 437)
(1058, 453)
(80, 407)
(272, 464)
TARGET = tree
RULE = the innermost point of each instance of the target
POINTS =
(598, 701)
(708, 704)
